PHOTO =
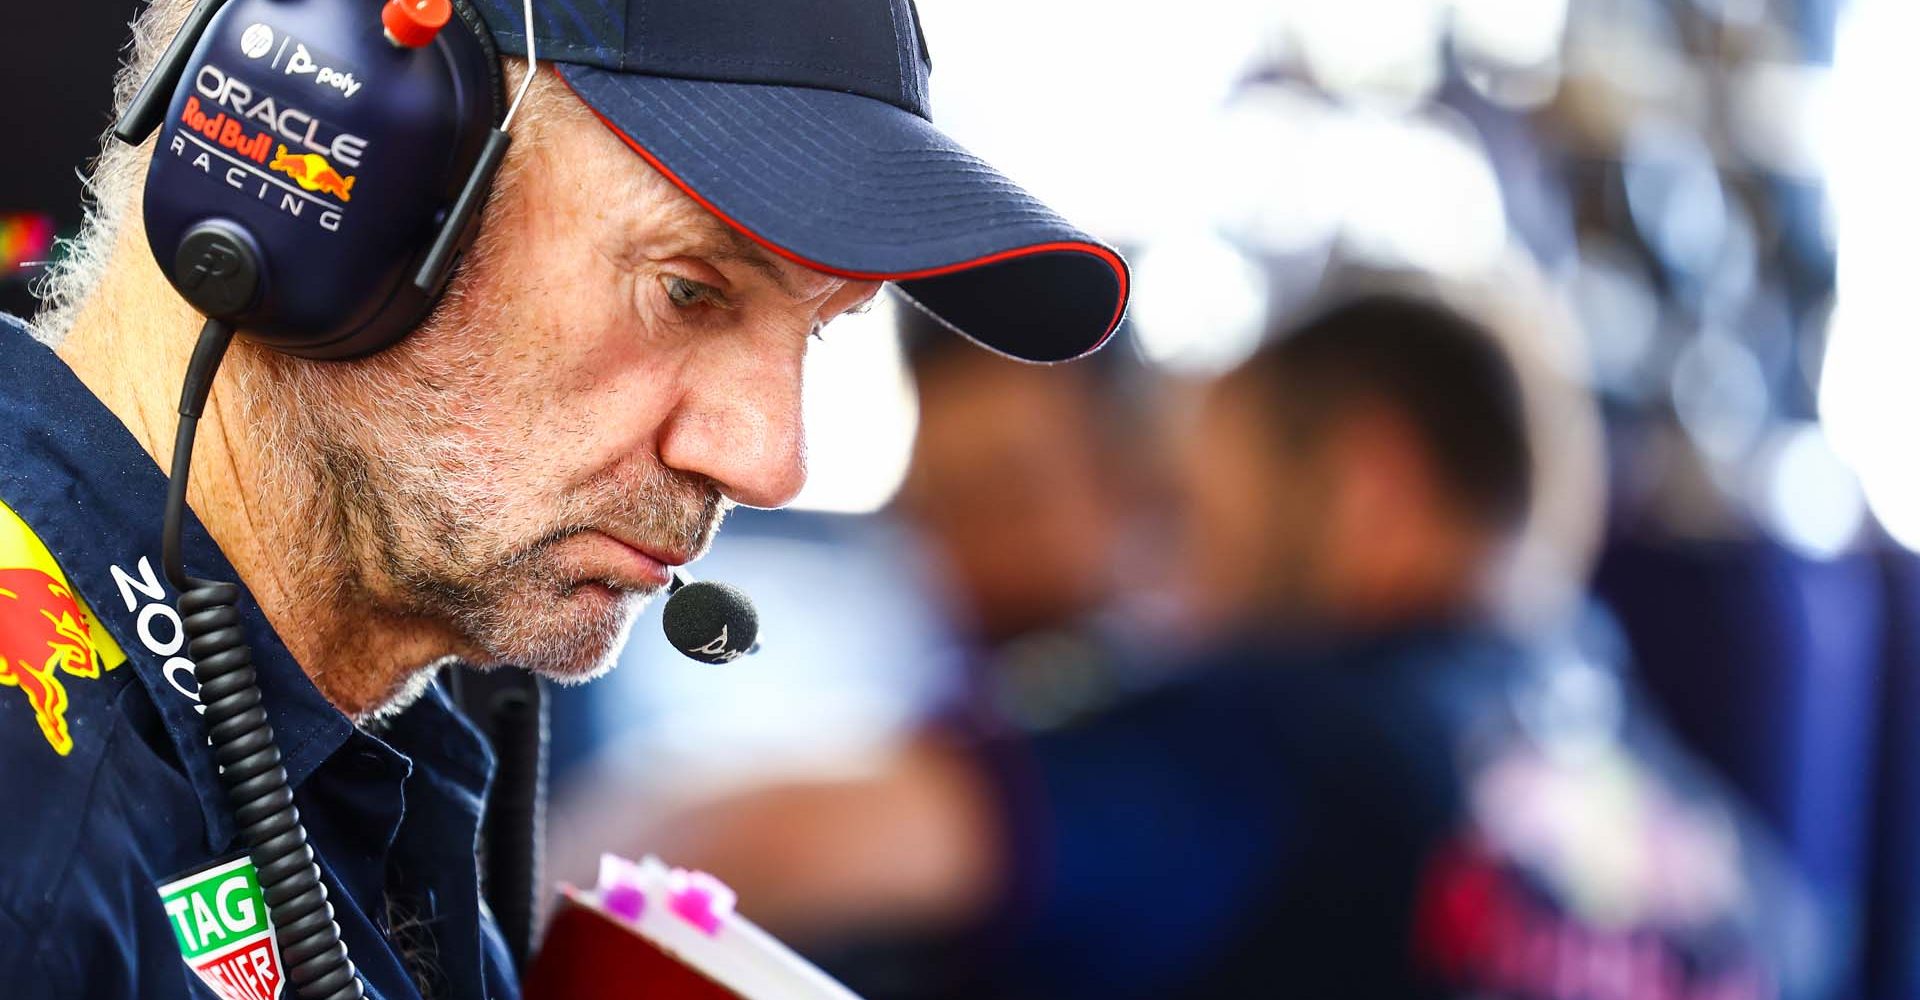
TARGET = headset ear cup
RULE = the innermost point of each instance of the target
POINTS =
(339, 154)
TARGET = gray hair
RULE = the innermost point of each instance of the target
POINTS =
(111, 184)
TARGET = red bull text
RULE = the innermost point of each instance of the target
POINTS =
(226, 132)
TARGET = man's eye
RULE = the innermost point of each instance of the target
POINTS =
(685, 293)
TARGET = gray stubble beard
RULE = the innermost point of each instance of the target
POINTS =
(386, 507)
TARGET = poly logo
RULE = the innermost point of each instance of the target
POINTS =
(256, 41)
(303, 62)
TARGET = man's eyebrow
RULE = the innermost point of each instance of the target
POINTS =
(722, 242)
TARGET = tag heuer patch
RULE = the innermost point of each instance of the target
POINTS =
(224, 931)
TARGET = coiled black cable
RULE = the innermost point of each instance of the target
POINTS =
(311, 952)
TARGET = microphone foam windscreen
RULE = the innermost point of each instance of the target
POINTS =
(711, 622)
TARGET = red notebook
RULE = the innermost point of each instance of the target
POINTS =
(649, 932)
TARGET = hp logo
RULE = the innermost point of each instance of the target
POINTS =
(256, 40)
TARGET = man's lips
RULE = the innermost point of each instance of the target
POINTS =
(637, 566)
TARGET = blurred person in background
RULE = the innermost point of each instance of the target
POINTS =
(1036, 501)
(1362, 782)
(1019, 482)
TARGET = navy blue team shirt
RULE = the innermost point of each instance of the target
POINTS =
(87, 835)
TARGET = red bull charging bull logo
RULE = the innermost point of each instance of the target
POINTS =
(46, 632)
(313, 172)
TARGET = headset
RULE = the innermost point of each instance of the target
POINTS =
(320, 167)
(322, 163)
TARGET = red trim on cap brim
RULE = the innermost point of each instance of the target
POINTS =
(1111, 259)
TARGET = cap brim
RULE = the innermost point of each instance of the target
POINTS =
(856, 187)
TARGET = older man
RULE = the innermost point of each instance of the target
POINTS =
(693, 191)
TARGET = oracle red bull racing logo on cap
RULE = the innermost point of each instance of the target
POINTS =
(47, 633)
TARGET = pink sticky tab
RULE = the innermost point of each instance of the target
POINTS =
(625, 901)
(699, 899)
(619, 888)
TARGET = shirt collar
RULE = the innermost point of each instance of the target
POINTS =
(78, 478)
(438, 739)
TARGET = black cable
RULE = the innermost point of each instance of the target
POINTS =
(314, 957)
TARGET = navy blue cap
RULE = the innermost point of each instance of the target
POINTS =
(806, 127)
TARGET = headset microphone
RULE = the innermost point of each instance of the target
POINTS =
(710, 622)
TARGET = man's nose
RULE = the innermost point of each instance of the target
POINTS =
(739, 424)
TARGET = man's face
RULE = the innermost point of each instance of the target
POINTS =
(1010, 482)
(611, 370)
(1254, 512)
